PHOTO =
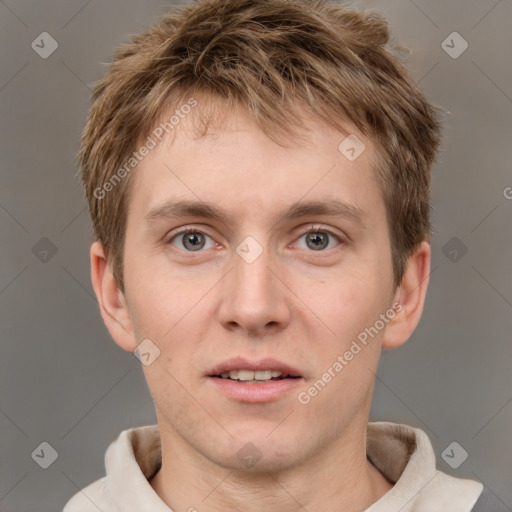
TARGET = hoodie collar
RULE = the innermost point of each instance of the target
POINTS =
(401, 453)
(405, 456)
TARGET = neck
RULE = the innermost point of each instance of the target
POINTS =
(337, 477)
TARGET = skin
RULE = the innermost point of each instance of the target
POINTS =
(301, 305)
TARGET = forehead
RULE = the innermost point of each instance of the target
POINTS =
(236, 165)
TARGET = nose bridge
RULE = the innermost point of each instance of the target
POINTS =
(253, 299)
(255, 273)
(252, 276)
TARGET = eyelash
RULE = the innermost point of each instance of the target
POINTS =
(311, 229)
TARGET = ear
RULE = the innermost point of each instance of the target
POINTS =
(113, 305)
(411, 296)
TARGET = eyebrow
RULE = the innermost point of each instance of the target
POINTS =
(186, 208)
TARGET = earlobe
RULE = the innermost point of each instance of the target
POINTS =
(411, 297)
(113, 305)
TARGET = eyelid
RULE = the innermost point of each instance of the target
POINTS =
(169, 237)
(341, 238)
(312, 227)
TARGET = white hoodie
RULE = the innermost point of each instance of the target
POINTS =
(400, 452)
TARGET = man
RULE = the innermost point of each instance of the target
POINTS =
(258, 179)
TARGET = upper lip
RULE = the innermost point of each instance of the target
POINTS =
(239, 363)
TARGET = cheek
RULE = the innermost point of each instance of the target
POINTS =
(348, 302)
(350, 348)
(154, 302)
(168, 305)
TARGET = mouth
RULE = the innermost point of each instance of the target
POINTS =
(254, 377)
(263, 370)
(265, 380)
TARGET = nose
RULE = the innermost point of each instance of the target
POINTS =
(254, 299)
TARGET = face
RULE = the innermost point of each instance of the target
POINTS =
(261, 280)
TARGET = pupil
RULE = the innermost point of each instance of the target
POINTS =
(319, 240)
(195, 241)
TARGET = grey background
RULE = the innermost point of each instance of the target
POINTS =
(64, 381)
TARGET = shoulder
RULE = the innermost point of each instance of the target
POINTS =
(92, 498)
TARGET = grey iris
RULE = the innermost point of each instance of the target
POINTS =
(196, 241)
(319, 240)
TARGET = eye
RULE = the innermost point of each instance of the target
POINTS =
(318, 239)
(192, 240)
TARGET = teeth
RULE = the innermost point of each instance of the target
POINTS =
(263, 375)
(249, 375)
(245, 375)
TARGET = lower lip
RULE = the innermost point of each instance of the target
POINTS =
(256, 393)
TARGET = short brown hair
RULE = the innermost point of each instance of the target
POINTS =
(272, 57)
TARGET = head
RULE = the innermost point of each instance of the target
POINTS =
(245, 105)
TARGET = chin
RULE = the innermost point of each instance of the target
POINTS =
(255, 451)
(254, 461)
